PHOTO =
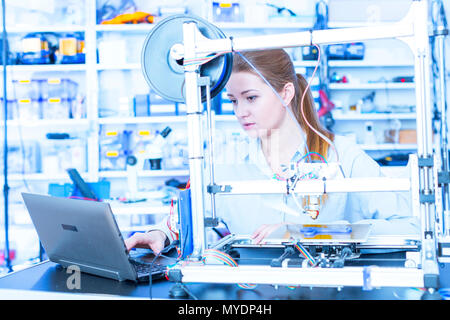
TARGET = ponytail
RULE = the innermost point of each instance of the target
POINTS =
(309, 120)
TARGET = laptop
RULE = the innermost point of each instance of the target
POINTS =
(85, 233)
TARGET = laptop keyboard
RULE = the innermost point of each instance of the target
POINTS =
(143, 269)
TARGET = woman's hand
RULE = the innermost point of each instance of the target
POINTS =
(264, 231)
(154, 240)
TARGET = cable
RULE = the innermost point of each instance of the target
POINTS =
(188, 291)
(164, 250)
(305, 253)
(227, 260)
(331, 143)
(315, 153)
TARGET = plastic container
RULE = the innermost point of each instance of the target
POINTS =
(59, 88)
(26, 89)
(28, 109)
(23, 157)
(56, 108)
(12, 109)
(58, 155)
(114, 149)
(227, 12)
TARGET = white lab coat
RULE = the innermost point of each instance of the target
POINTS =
(388, 212)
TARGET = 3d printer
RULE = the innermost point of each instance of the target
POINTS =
(327, 248)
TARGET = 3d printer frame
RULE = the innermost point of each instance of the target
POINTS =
(413, 30)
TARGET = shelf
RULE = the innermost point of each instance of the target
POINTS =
(139, 208)
(371, 86)
(146, 173)
(356, 24)
(45, 67)
(41, 177)
(159, 119)
(56, 28)
(49, 123)
(140, 27)
(353, 64)
(261, 26)
(138, 120)
(143, 27)
(388, 146)
(373, 116)
(363, 63)
(124, 66)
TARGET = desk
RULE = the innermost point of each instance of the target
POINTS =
(48, 277)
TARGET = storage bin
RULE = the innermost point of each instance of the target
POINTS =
(56, 108)
(28, 109)
(58, 88)
(23, 157)
(26, 89)
(12, 109)
(114, 149)
(58, 155)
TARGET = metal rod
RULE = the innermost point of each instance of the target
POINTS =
(211, 148)
(440, 33)
(195, 141)
(317, 186)
(5, 145)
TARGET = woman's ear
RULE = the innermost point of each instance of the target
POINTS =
(288, 93)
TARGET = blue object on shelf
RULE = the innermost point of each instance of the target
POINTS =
(100, 188)
(312, 231)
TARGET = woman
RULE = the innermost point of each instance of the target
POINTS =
(275, 108)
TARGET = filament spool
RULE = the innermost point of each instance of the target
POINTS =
(164, 74)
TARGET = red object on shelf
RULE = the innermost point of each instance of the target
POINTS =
(326, 104)
(12, 255)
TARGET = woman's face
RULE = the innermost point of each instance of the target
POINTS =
(256, 106)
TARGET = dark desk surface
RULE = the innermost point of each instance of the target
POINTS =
(50, 277)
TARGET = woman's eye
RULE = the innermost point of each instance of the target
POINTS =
(251, 98)
(233, 101)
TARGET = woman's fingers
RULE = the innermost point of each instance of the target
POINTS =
(148, 240)
(264, 231)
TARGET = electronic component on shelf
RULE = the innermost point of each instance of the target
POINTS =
(310, 53)
(403, 79)
(346, 51)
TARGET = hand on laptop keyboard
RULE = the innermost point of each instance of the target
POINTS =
(153, 240)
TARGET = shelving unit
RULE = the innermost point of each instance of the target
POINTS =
(92, 68)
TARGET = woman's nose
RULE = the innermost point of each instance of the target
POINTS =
(241, 111)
